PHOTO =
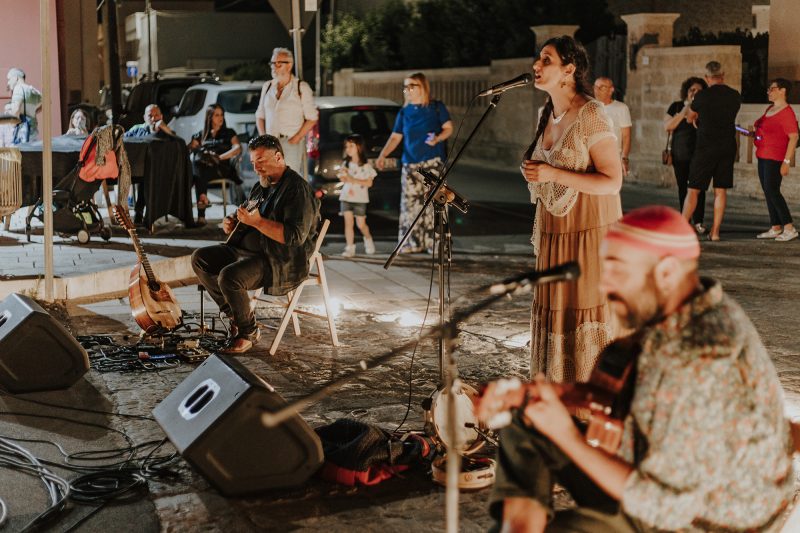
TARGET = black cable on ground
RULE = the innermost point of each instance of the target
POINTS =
(419, 337)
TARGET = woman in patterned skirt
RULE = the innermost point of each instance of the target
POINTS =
(422, 125)
(574, 175)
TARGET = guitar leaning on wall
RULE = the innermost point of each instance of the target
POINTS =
(153, 304)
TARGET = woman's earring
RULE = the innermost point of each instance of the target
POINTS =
(563, 83)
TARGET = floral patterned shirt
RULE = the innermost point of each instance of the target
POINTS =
(707, 434)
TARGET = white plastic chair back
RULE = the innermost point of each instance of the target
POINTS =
(10, 180)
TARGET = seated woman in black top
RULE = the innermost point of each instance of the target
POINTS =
(684, 136)
(214, 150)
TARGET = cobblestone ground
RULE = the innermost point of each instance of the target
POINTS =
(492, 344)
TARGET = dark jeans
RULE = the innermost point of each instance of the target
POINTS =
(228, 273)
(681, 169)
(205, 173)
(528, 465)
(769, 172)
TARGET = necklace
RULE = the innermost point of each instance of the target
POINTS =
(557, 119)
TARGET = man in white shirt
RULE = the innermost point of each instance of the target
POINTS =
(286, 109)
(620, 117)
(25, 100)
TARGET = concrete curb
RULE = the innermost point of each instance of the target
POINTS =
(106, 284)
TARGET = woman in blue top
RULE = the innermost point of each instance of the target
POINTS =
(422, 125)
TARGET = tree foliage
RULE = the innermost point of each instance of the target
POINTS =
(453, 33)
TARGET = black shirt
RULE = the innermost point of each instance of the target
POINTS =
(292, 203)
(717, 106)
(684, 136)
(219, 143)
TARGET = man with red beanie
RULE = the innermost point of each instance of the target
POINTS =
(705, 446)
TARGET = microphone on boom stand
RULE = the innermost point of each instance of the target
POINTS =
(565, 272)
(519, 81)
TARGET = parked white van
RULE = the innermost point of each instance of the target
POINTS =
(239, 99)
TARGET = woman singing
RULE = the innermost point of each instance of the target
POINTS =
(574, 175)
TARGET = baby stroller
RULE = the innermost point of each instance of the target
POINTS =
(74, 210)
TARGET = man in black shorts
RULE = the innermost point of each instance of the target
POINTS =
(713, 112)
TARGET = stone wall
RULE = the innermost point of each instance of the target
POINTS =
(653, 86)
(655, 83)
(506, 132)
(716, 16)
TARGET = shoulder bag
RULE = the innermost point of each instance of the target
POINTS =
(666, 153)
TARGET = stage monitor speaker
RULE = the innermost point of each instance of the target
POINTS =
(36, 352)
(213, 418)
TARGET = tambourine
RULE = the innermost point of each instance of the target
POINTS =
(436, 420)
(476, 472)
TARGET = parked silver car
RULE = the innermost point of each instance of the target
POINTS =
(339, 116)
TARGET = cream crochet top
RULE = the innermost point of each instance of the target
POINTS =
(569, 152)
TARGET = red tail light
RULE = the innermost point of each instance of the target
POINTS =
(312, 143)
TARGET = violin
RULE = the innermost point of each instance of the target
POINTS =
(603, 401)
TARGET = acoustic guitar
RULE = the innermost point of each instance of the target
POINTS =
(603, 402)
(153, 304)
(235, 236)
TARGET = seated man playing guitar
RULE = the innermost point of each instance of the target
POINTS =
(705, 446)
(270, 241)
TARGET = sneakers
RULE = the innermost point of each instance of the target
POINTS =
(349, 250)
(700, 229)
(771, 233)
(787, 235)
(369, 246)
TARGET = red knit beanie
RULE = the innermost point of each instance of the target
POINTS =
(657, 229)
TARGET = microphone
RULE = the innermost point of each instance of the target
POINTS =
(566, 272)
(519, 81)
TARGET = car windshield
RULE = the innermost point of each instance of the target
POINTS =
(169, 96)
(369, 122)
(192, 102)
(240, 101)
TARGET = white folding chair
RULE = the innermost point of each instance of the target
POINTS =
(316, 276)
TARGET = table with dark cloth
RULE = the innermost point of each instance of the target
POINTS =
(162, 164)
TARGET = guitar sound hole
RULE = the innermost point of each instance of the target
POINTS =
(153, 286)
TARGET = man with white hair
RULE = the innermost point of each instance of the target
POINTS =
(286, 109)
(620, 117)
(26, 101)
(153, 125)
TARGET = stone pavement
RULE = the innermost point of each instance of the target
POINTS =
(377, 310)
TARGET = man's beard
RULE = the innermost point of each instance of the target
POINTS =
(649, 308)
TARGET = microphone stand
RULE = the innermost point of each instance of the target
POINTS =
(447, 330)
(448, 380)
